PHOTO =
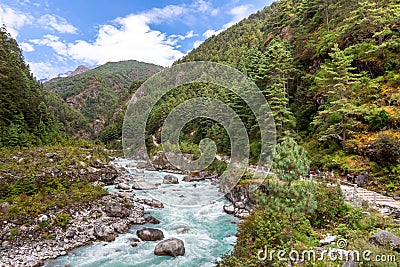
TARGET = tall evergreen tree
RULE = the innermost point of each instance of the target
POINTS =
(286, 193)
(336, 79)
(272, 71)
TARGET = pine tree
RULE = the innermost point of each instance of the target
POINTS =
(337, 80)
(272, 71)
(286, 193)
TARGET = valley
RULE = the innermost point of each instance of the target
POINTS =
(327, 167)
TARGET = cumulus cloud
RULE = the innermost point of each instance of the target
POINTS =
(13, 19)
(241, 12)
(47, 69)
(56, 23)
(26, 47)
(238, 13)
(197, 43)
(127, 37)
(54, 42)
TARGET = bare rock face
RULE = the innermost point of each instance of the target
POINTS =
(150, 234)
(170, 247)
(385, 238)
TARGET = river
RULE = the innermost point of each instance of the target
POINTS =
(191, 213)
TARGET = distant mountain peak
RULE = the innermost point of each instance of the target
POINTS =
(80, 69)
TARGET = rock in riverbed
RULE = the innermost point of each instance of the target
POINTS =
(144, 186)
(170, 247)
(170, 179)
(150, 234)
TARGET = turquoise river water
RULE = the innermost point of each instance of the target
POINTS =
(211, 232)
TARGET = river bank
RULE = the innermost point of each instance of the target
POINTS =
(192, 212)
(67, 207)
(33, 239)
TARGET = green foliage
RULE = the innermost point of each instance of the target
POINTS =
(330, 206)
(91, 101)
(286, 193)
(387, 150)
(24, 118)
(379, 119)
(62, 219)
(336, 80)
(31, 189)
(272, 71)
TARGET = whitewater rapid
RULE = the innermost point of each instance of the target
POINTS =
(193, 212)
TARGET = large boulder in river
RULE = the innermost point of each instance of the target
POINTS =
(144, 186)
(170, 247)
(104, 232)
(170, 179)
(150, 234)
(151, 219)
(385, 238)
(229, 209)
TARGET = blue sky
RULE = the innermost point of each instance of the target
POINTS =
(59, 35)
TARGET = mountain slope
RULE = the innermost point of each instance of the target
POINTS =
(24, 115)
(343, 85)
(98, 92)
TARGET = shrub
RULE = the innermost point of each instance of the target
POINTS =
(387, 150)
(330, 204)
(378, 119)
(62, 219)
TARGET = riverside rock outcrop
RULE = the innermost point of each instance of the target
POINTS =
(100, 220)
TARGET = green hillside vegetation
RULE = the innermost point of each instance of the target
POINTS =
(330, 70)
(331, 73)
(96, 94)
(25, 118)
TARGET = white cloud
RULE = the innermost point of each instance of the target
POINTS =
(26, 47)
(13, 19)
(190, 34)
(44, 69)
(209, 33)
(205, 7)
(238, 13)
(158, 15)
(202, 6)
(127, 37)
(214, 12)
(56, 23)
(197, 43)
(53, 42)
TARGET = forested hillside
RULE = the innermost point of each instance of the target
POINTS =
(97, 93)
(25, 118)
(331, 73)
